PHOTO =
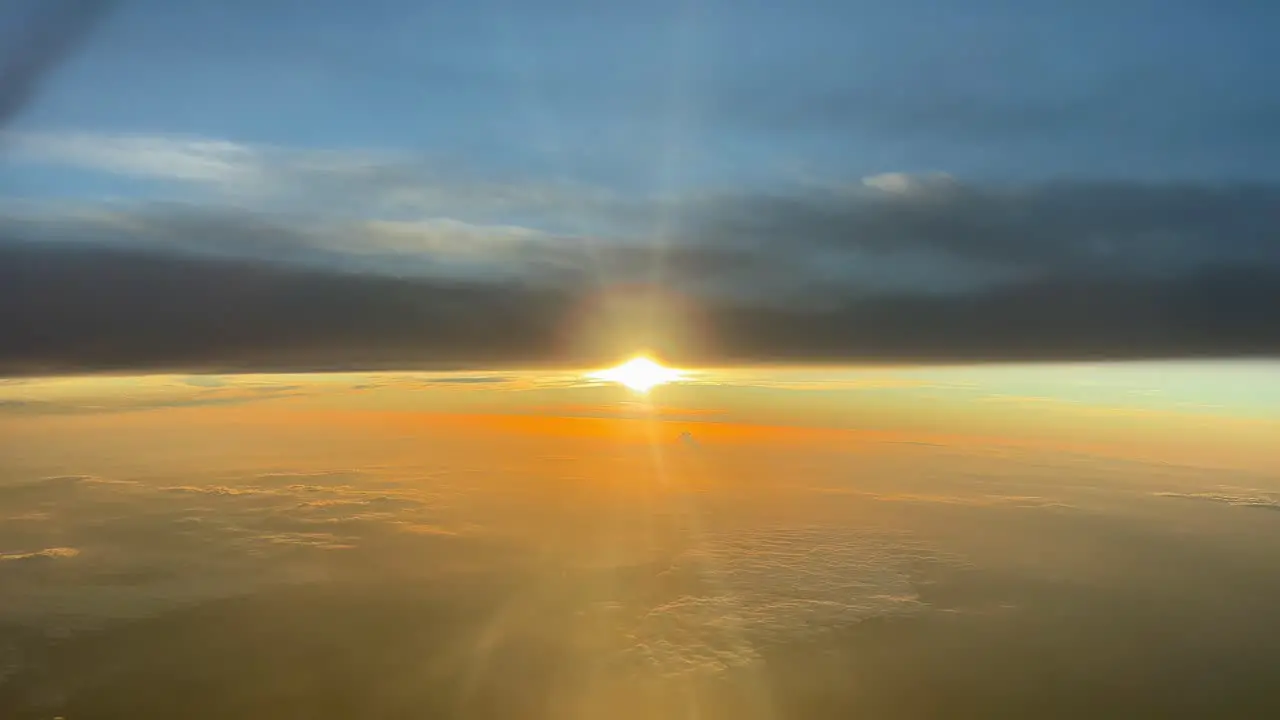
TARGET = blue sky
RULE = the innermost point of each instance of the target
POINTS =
(672, 94)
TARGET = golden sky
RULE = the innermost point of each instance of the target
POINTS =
(1209, 414)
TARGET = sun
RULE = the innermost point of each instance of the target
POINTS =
(640, 374)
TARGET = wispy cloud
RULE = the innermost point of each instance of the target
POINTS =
(469, 380)
(54, 397)
(868, 383)
(44, 554)
(1236, 497)
(364, 183)
(1026, 400)
(629, 409)
(746, 591)
(231, 169)
(182, 159)
(148, 544)
(972, 500)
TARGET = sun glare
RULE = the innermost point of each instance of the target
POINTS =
(640, 374)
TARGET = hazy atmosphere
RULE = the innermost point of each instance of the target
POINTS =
(677, 359)
(1046, 541)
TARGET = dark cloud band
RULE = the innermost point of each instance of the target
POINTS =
(81, 308)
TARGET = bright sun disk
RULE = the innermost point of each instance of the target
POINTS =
(640, 374)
